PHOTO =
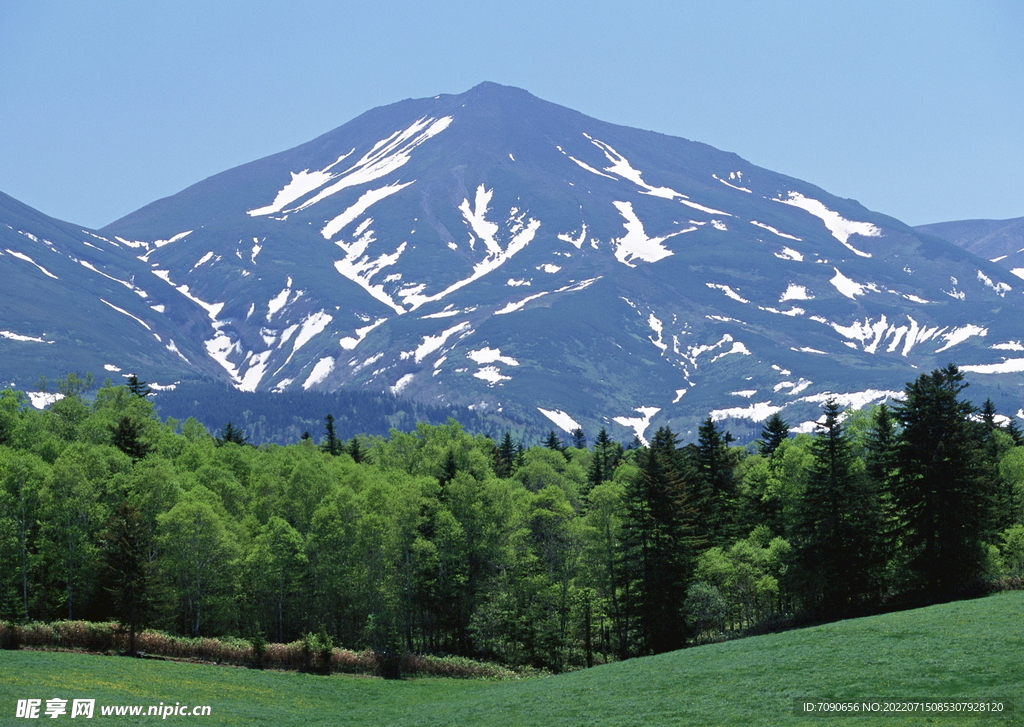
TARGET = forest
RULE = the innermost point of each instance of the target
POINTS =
(557, 556)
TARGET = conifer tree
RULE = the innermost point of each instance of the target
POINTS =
(773, 433)
(331, 444)
(940, 497)
(231, 433)
(836, 550)
(579, 440)
(127, 436)
(127, 541)
(505, 457)
(658, 547)
(553, 442)
(355, 450)
(714, 483)
(880, 467)
(138, 388)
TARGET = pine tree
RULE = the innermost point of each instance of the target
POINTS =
(714, 483)
(941, 500)
(127, 542)
(355, 450)
(880, 444)
(139, 388)
(579, 440)
(505, 457)
(837, 549)
(127, 436)
(331, 444)
(553, 442)
(658, 547)
(231, 433)
(774, 432)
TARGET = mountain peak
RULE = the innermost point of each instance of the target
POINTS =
(496, 251)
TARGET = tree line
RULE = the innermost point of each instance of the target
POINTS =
(439, 541)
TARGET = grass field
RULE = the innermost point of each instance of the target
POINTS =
(967, 651)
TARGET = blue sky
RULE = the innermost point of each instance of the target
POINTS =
(915, 109)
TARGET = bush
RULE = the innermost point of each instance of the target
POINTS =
(314, 653)
(10, 636)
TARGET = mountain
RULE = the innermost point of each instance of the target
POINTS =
(502, 254)
(76, 301)
(1000, 241)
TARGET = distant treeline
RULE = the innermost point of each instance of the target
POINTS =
(282, 418)
(436, 541)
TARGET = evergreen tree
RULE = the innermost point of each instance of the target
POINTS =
(940, 497)
(127, 436)
(880, 444)
(126, 543)
(331, 444)
(579, 440)
(837, 551)
(773, 433)
(231, 433)
(658, 547)
(505, 457)
(355, 450)
(138, 388)
(714, 483)
(553, 442)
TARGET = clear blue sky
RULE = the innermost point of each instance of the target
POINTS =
(914, 108)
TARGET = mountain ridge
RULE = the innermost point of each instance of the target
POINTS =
(496, 251)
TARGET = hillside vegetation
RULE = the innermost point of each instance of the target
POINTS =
(964, 651)
(441, 542)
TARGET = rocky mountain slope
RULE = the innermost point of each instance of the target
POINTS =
(497, 252)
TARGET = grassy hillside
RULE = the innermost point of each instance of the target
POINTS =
(966, 651)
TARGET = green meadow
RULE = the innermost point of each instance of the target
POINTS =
(968, 651)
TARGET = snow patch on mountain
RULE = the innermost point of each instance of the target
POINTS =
(841, 228)
(789, 253)
(488, 355)
(774, 231)
(386, 156)
(729, 292)
(1010, 365)
(730, 184)
(1001, 289)
(621, 167)
(42, 399)
(212, 309)
(576, 242)
(639, 424)
(635, 244)
(849, 288)
(755, 412)
(350, 342)
(320, 371)
(337, 224)
(19, 337)
(560, 419)
(124, 312)
(518, 305)
(795, 292)
(959, 335)
(522, 230)
(430, 344)
(492, 375)
(26, 258)
(402, 383)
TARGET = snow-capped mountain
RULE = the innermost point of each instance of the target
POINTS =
(509, 255)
